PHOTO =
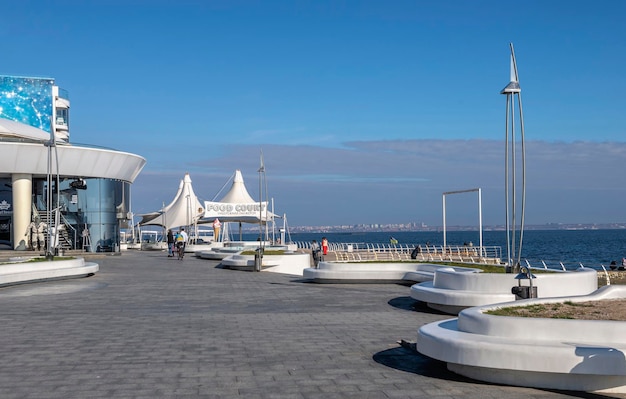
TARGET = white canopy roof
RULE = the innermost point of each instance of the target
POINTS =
(184, 210)
(237, 205)
(29, 155)
(238, 192)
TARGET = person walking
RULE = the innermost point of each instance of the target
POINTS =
(41, 240)
(32, 234)
(170, 243)
(416, 251)
(324, 246)
(315, 252)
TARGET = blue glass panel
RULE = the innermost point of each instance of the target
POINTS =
(27, 100)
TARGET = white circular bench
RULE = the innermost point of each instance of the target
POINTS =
(581, 355)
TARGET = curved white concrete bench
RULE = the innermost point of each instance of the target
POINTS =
(218, 253)
(328, 272)
(291, 263)
(24, 272)
(451, 292)
(581, 355)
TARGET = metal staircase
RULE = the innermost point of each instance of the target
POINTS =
(67, 233)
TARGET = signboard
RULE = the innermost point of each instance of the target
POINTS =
(234, 211)
(27, 100)
(5, 208)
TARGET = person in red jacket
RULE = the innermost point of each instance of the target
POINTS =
(324, 246)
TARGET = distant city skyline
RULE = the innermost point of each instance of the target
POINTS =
(365, 110)
(416, 227)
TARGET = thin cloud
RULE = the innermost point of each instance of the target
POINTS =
(403, 180)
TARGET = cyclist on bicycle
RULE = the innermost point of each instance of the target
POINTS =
(181, 241)
(185, 236)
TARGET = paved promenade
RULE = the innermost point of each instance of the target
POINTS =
(149, 326)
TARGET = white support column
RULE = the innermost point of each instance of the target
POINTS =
(22, 206)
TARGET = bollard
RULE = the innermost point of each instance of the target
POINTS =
(258, 259)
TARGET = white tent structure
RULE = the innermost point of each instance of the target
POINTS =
(184, 211)
(238, 206)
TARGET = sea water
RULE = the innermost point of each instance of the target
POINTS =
(592, 248)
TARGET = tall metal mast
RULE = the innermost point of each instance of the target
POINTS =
(259, 258)
(513, 236)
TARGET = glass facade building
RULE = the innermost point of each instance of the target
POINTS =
(94, 205)
(84, 192)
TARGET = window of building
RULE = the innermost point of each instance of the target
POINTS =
(63, 116)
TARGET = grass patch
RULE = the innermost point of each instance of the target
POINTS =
(578, 304)
(487, 268)
(270, 252)
(36, 260)
(484, 267)
(564, 310)
(43, 259)
(522, 311)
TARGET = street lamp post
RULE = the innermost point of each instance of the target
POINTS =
(53, 226)
(259, 258)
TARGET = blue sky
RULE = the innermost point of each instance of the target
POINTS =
(365, 111)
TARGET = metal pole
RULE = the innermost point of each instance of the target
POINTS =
(444, 222)
(164, 214)
(259, 259)
(506, 185)
(480, 221)
(57, 215)
(513, 188)
(267, 203)
(523, 154)
(187, 219)
(49, 201)
(51, 143)
(260, 210)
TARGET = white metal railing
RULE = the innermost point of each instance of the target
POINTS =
(378, 251)
(559, 266)
(563, 266)
(358, 251)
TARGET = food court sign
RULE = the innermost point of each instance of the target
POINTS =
(242, 210)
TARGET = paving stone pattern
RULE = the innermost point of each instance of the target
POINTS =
(149, 326)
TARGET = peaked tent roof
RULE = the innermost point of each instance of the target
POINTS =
(238, 194)
(184, 210)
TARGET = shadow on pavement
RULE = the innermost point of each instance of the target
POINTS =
(408, 303)
(403, 359)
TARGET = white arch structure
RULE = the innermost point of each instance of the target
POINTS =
(480, 215)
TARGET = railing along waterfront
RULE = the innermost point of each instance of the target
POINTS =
(557, 265)
(358, 251)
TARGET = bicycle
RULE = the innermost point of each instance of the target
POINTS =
(180, 249)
